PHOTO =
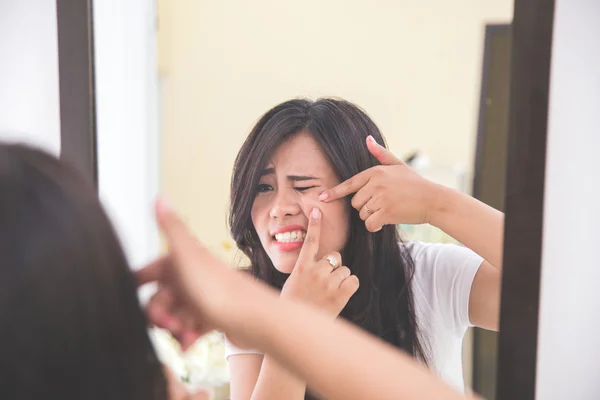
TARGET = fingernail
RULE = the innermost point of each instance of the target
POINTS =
(371, 139)
(316, 213)
(323, 196)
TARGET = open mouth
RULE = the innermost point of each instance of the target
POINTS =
(296, 236)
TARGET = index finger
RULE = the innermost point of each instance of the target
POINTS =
(185, 250)
(172, 226)
(351, 185)
(310, 248)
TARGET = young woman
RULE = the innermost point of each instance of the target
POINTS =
(71, 326)
(417, 297)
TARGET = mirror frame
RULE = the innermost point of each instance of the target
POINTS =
(532, 27)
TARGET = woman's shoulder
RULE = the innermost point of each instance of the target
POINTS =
(422, 252)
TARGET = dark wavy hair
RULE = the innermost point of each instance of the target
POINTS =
(383, 305)
(71, 324)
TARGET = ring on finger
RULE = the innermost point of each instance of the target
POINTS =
(368, 210)
(332, 261)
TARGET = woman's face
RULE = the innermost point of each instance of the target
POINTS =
(289, 189)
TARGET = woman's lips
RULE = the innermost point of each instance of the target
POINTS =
(289, 238)
(291, 246)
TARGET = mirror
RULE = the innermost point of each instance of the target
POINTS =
(433, 76)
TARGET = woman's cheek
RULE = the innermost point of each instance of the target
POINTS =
(310, 201)
(334, 225)
(336, 212)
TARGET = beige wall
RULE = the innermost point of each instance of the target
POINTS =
(415, 66)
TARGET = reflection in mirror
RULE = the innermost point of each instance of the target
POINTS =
(415, 68)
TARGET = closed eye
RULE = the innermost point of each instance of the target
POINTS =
(302, 189)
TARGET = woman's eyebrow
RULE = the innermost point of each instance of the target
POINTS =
(299, 178)
(293, 178)
(267, 171)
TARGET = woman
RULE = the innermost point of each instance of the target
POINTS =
(72, 327)
(71, 324)
(418, 297)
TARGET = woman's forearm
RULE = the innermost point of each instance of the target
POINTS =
(275, 382)
(337, 360)
(473, 223)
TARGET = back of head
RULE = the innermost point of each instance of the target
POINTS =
(71, 326)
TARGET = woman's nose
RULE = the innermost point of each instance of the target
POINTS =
(284, 205)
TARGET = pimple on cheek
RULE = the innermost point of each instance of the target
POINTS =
(309, 203)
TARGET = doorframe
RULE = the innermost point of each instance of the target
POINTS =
(109, 111)
(524, 199)
(77, 86)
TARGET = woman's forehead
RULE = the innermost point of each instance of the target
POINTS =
(301, 152)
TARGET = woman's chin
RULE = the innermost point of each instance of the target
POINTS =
(284, 268)
(285, 263)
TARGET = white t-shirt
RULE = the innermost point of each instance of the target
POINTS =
(441, 287)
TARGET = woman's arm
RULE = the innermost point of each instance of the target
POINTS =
(393, 193)
(473, 223)
(338, 360)
(480, 228)
(243, 374)
(276, 382)
(261, 378)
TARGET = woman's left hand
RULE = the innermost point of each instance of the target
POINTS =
(391, 193)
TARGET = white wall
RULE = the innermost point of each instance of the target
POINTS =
(126, 96)
(569, 330)
(29, 95)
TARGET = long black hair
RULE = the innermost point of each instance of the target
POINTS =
(383, 305)
(71, 323)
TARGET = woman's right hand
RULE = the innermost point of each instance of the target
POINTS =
(324, 282)
(197, 292)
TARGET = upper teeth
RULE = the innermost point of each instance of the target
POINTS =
(294, 236)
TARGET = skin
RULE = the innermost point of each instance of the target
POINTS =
(288, 191)
(205, 294)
